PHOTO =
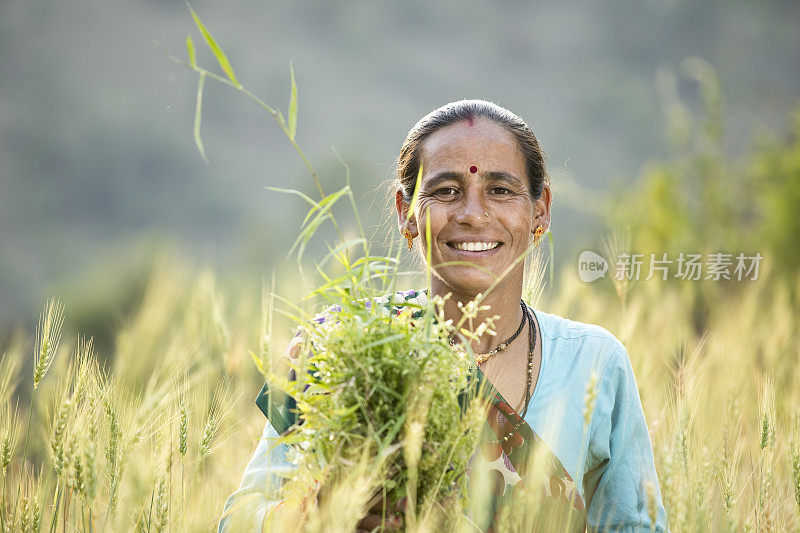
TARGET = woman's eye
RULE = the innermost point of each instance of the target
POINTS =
(500, 190)
(446, 191)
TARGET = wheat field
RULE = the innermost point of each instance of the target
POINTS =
(158, 437)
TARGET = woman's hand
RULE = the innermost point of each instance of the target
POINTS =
(391, 520)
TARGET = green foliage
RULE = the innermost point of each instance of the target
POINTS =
(658, 210)
(692, 202)
(370, 377)
(775, 171)
(703, 200)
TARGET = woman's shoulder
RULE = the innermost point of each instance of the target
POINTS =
(556, 326)
(564, 336)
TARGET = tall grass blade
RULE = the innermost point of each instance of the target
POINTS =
(326, 203)
(191, 51)
(294, 192)
(552, 254)
(198, 113)
(292, 105)
(310, 225)
(222, 59)
(415, 197)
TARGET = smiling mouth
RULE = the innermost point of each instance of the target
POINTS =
(474, 246)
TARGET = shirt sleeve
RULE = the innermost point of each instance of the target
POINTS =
(259, 492)
(621, 487)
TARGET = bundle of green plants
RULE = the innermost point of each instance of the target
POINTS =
(380, 387)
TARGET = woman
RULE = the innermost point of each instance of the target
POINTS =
(485, 196)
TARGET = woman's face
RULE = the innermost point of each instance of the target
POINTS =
(475, 190)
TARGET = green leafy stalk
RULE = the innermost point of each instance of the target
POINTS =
(198, 111)
(48, 336)
(232, 82)
(191, 51)
(222, 59)
(292, 125)
(412, 208)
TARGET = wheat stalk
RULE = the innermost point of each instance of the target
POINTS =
(48, 336)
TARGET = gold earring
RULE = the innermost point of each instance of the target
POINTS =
(538, 234)
(409, 238)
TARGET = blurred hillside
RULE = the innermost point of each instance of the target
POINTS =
(98, 169)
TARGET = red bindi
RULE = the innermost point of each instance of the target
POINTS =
(470, 121)
(473, 169)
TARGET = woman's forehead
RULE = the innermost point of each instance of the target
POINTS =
(483, 144)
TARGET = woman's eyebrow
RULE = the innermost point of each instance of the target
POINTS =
(502, 176)
(446, 175)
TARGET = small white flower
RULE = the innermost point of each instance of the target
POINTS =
(471, 309)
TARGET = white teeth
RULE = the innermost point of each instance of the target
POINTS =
(475, 246)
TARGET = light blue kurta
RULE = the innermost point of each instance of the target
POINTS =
(611, 463)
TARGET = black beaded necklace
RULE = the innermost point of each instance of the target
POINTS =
(483, 357)
(529, 380)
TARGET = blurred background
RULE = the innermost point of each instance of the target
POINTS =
(634, 102)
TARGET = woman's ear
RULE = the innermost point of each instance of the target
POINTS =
(541, 209)
(403, 222)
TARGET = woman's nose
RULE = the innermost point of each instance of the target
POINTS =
(473, 210)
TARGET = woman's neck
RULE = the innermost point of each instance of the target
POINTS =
(503, 302)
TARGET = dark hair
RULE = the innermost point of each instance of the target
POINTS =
(469, 110)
